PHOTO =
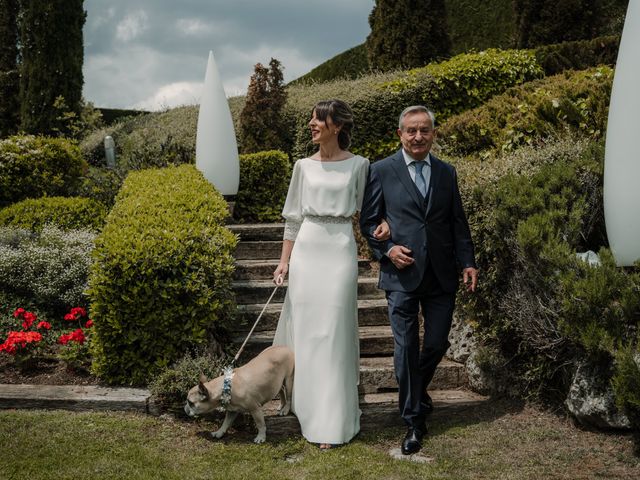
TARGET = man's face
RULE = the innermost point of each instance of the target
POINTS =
(417, 134)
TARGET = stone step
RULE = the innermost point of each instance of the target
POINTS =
(370, 312)
(258, 231)
(258, 291)
(377, 375)
(379, 410)
(258, 250)
(375, 341)
(262, 269)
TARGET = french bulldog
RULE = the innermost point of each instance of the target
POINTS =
(252, 385)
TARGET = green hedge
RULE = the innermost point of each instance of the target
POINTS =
(578, 55)
(33, 167)
(577, 101)
(264, 181)
(450, 87)
(348, 64)
(67, 213)
(161, 279)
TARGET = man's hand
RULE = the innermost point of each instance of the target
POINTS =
(470, 278)
(382, 231)
(401, 256)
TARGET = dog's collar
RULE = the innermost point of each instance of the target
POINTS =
(225, 398)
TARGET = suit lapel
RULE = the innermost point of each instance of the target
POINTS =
(436, 170)
(400, 167)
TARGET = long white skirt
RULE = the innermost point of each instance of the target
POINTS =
(319, 323)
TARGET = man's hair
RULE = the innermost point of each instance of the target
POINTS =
(416, 108)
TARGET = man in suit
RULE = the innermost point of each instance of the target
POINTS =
(430, 242)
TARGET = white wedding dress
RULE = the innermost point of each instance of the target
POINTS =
(319, 316)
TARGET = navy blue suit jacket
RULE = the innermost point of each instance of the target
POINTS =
(437, 232)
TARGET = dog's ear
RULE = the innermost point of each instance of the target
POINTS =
(203, 378)
(201, 387)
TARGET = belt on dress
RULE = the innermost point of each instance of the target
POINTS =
(327, 219)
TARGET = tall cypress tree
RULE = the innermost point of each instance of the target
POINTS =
(52, 55)
(9, 78)
(407, 33)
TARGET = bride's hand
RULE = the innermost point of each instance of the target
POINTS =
(382, 231)
(280, 273)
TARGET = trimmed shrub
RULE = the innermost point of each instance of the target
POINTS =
(346, 65)
(450, 87)
(67, 213)
(578, 55)
(576, 101)
(49, 268)
(33, 167)
(264, 182)
(102, 185)
(161, 279)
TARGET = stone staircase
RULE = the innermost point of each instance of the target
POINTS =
(257, 256)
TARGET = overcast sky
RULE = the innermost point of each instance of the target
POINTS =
(152, 54)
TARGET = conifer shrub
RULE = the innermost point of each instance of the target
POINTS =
(524, 115)
(161, 279)
(578, 55)
(67, 213)
(33, 167)
(264, 182)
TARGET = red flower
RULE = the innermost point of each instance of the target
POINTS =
(29, 318)
(78, 312)
(15, 339)
(10, 349)
(45, 325)
(18, 313)
(70, 317)
(89, 324)
(75, 336)
(63, 339)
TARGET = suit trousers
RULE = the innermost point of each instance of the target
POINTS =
(415, 366)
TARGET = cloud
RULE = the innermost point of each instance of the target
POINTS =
(172, 95)
(132, 26)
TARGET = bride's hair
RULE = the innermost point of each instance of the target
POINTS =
(341, 116)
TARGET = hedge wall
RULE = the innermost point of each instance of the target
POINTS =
(32, 167)
(577, 101)
(161, 279)
(67, 213)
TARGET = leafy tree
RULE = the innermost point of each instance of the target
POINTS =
(407, 33)
(543, 22)
(262, 124)
(8, 67)
(51, 47)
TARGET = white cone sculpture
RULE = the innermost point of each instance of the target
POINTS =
(216, 147)
(622, 154)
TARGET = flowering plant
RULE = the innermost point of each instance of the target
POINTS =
(75, 352)
(23, 344)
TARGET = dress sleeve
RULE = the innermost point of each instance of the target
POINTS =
(292, 211)
(361, 182)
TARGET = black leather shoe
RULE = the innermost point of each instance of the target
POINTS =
(412, 442)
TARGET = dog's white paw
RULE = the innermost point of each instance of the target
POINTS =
(282, 411)
(217, 434)
(260, 438)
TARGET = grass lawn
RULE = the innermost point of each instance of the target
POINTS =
(501, 440)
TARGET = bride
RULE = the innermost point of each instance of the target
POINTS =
(319, 316)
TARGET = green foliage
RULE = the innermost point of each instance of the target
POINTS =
(542, 22)
(161, 279)
(264, 181)
(49, 268)
(572, 101)
(578, 55)
(67, 213)
(449, 87)
(346, 65)
(473, 24)
(51, 52)
(262, 125)
(9, 77)
(626, 386)
(102, 185)
(113, 115)
(32, 167)
(406, 34)
(170, 387)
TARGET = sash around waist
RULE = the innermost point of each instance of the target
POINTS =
(326, 219)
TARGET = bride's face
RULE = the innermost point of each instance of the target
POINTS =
(322, 130)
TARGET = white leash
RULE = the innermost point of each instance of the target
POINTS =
(279, 282)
